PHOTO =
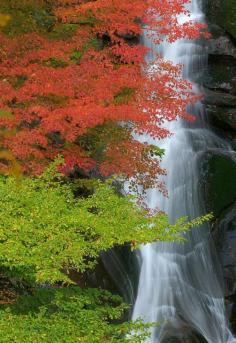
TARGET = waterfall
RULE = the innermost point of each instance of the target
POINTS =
(180, 284)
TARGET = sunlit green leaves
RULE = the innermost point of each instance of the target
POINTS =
(45, 227)
(5, 114)
(45, 232)
(69, 315)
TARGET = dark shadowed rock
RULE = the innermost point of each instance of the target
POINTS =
(220, 80)
(220, 99)
(225, 238)
(221, 43)
(220, 185)
(182, 334)
(221, 76)
(222, 13)
(223, 118)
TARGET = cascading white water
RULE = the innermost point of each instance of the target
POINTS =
(179, 283)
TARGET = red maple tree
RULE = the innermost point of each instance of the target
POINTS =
(85, 96)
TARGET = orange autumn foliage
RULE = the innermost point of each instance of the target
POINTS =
(59, 90)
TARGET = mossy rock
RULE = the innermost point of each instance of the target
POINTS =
(223, 118)
(221, 74)
(220, 183)
(223, 13)
(227, 16)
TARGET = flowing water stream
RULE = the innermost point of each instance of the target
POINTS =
(179, 284)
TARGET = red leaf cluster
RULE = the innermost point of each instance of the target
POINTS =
(58, 90)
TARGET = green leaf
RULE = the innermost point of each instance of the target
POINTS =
(6, 114)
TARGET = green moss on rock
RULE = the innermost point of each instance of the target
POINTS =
(222, 13)
(227, 16)
(221, 73)
(221, 180)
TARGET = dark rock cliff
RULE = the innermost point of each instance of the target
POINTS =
(220, 81)
(220, 100)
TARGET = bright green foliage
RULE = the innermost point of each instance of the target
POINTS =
(5, 114)
(45, 229)
(94, 42)
(156, 151)
(69, 315)
(76, 56)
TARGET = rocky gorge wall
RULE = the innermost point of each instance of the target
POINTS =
(220, 100)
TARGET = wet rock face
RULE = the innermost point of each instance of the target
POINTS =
(220, 81)
(182, 334)
(220, 101)
(220, 182)
(220, 94)
(117, 271)
(220, 197)
(222, 13)
(222, 75)
(225, 238)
